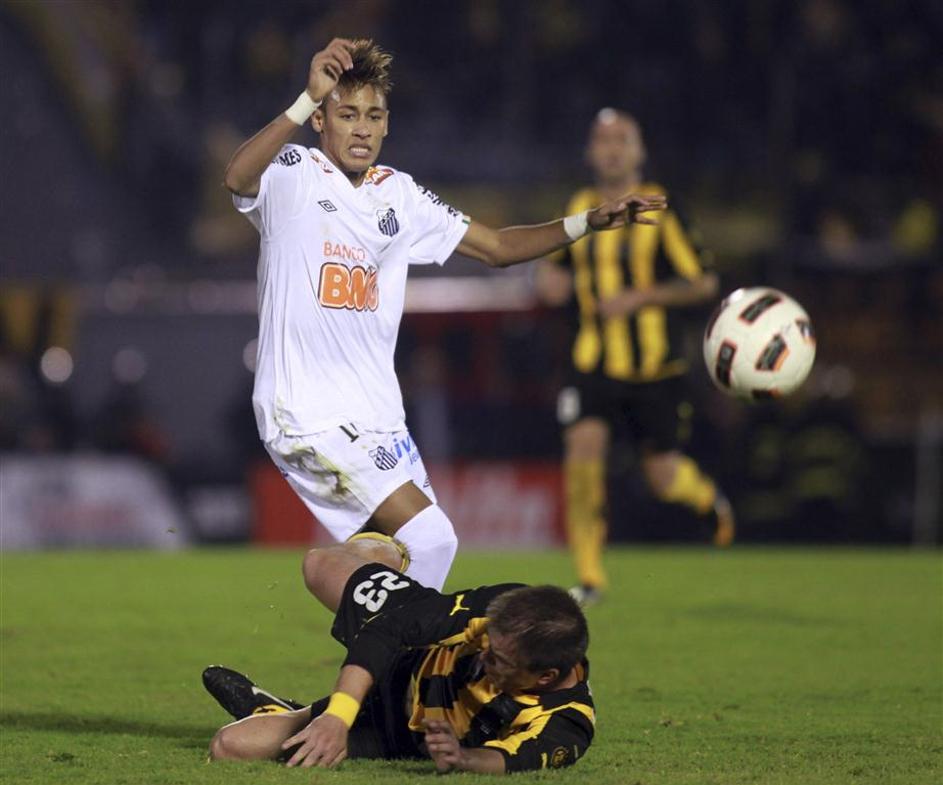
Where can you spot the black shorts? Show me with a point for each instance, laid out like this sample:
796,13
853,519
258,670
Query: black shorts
381,729
655,415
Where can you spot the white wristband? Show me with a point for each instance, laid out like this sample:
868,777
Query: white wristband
302,108
577,225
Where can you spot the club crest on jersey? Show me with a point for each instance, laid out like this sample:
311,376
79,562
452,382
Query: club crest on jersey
383,458
387,221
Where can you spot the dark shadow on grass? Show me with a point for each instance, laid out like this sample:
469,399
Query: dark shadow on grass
190,735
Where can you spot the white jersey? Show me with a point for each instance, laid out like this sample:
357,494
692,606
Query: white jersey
331,285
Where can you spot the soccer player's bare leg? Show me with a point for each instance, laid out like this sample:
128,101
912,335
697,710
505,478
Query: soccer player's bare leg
586,444
673,477
258,737
327,570
418,526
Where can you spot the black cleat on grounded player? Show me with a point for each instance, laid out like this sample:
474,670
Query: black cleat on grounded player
239,696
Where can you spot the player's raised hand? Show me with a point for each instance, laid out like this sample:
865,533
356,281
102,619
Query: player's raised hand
327,67
442,744
323,743
630,209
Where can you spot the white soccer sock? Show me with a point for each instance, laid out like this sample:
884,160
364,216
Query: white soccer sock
431,542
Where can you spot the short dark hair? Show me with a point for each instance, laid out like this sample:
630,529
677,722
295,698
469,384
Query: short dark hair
371,67
546,624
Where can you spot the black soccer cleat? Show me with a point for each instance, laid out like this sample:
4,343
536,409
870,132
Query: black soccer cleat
239,696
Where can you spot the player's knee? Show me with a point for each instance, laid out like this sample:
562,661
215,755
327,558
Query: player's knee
659,471
431,543
586,440
373,549
443,544
224,745
438,531
312,568
450,541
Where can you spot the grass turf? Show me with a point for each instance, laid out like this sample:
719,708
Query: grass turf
749,666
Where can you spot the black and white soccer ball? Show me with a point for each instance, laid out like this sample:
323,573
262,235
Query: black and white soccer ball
759,344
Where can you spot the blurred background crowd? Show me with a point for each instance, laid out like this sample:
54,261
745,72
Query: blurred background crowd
804,138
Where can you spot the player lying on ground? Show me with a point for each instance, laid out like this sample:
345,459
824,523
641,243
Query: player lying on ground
338,234
490,680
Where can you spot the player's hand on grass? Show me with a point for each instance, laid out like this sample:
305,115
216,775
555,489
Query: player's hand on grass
630,209
442,744
327,67
323,743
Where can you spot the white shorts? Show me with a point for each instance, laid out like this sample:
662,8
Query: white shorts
344,473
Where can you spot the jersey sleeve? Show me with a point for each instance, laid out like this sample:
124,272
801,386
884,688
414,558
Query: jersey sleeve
437,228
409,615
282,193
551,741
682,251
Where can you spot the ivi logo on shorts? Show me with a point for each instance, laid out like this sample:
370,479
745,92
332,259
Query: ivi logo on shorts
406,447
383,458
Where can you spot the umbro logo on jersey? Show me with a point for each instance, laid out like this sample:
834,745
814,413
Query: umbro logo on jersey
383,458
387,221
328,206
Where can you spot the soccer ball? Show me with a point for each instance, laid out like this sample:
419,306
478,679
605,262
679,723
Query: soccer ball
759,344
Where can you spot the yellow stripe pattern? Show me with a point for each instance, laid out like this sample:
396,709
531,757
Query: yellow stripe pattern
442,661
599,271
534,721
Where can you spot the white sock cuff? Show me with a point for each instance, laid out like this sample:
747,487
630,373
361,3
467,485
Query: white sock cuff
431,542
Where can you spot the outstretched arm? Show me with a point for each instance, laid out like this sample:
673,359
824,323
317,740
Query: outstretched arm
691,286
244,172
515,244
671,294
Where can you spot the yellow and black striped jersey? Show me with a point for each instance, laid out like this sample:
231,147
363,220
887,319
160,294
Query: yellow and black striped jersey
643,346
532,731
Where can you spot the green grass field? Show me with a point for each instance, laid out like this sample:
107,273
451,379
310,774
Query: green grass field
749,666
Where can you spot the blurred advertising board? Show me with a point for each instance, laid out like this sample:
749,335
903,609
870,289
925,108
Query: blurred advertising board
492,505
86,501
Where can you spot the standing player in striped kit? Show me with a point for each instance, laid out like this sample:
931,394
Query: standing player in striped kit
627,370
338,234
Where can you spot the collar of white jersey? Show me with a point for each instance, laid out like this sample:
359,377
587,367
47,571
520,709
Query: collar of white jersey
322,161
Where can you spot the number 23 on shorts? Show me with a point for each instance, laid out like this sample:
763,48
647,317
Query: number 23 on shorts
367,593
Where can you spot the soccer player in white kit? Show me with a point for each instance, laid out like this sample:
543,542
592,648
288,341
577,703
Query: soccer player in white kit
338,233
